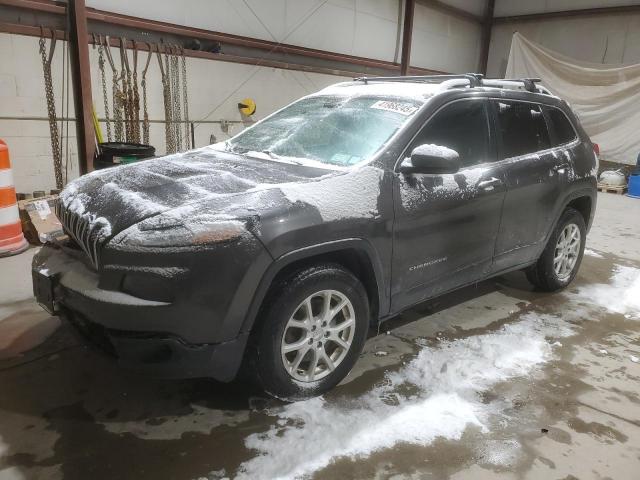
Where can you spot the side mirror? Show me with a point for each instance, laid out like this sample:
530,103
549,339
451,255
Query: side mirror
431,159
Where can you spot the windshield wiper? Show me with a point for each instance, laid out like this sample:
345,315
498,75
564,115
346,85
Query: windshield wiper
275,156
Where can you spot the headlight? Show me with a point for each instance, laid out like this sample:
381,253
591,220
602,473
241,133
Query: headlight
167,231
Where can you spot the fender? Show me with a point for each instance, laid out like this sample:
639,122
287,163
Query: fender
581,192
311,251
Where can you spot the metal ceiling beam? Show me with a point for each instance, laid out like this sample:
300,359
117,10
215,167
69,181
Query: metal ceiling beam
451,10
239,49
81,79
36,5
568,13
407,33
485,40
225,38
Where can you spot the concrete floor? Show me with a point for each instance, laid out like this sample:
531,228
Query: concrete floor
495,381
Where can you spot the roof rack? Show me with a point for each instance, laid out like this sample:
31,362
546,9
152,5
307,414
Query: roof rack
529,84
474,79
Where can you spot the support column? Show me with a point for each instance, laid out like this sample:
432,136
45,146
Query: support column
407,32
81,81
487,26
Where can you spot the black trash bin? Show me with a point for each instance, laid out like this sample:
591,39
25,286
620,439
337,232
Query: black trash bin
113,154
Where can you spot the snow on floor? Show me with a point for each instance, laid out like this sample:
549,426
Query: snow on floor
592,253
435,395
620,295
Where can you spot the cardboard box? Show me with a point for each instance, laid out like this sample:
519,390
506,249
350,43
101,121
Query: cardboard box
39,221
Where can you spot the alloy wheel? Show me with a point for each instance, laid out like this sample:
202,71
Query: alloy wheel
318,335
567,251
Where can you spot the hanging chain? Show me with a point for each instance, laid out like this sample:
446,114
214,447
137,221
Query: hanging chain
172,127
51,106
171,124
103,78
166,96
136,96
126,90
116,95
145,112
175,93
185,101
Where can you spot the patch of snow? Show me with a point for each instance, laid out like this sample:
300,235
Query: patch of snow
603,351
592,253
76,201
634,359
215,475
621,295
436,395
382,89
350,195
436,151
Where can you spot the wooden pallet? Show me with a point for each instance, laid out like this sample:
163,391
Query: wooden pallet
620,190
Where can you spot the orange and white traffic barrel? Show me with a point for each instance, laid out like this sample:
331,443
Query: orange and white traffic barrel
12,240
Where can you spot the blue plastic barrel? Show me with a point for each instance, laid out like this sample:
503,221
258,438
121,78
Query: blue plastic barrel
634,186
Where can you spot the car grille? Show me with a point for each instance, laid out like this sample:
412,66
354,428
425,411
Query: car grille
80,230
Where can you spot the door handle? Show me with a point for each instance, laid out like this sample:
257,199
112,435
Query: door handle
562,168
489,184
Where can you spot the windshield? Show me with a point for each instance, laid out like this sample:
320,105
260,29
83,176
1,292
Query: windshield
339,131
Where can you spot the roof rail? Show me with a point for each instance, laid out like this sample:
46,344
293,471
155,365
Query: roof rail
475,79
529,84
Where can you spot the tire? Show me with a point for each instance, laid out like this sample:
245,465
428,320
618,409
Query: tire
287,302
544,274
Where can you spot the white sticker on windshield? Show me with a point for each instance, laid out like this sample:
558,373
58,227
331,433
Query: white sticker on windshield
397,107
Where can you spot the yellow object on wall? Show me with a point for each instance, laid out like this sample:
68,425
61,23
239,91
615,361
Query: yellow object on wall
247,107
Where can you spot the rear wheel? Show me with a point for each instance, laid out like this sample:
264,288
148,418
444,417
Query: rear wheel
559,263
313,329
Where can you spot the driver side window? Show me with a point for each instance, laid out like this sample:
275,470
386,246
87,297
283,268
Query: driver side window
462,126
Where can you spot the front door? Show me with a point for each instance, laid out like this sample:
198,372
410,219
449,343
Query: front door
446,225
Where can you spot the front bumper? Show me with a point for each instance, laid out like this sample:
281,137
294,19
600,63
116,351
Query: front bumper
142,335
161,356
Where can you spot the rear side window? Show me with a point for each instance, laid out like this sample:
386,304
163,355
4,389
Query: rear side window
522,127
561,129
462,126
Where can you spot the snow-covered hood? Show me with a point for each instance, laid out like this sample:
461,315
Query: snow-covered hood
114,199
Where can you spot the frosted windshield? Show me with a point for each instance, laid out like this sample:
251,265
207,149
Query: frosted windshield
339,131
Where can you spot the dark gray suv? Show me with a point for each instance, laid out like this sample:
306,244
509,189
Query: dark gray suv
278,249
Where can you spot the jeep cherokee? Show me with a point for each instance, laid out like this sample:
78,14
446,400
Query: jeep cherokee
278,249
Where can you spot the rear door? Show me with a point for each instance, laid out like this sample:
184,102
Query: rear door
534,174
446,225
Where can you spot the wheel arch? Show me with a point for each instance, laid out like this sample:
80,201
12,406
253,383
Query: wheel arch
584,205
583,200
356,255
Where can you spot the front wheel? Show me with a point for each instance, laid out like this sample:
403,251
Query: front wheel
559,263
313,329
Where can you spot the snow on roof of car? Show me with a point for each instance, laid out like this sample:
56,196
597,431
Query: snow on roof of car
416,90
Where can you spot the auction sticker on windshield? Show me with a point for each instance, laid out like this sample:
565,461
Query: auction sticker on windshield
402,108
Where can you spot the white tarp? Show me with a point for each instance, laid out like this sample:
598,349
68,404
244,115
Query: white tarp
605,97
